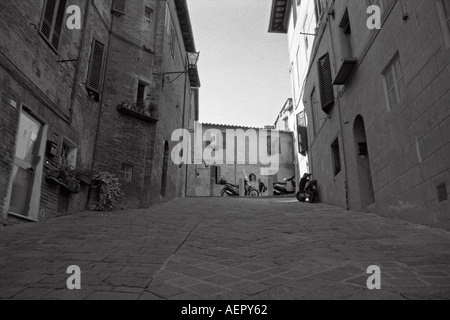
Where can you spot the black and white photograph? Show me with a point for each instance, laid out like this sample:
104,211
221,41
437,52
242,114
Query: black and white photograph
228,156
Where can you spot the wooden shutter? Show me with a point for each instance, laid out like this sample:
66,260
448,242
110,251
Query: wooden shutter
302,133
140,95
47,19
326,83
119,6
96,67
59,22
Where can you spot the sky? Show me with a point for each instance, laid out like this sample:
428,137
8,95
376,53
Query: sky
244,70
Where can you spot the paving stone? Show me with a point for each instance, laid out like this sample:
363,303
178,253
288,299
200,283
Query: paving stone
252,267
183,282
276,293
258,276
165,290
376,295
32,294
437,281
405,282
206,290
149,296
308,252
66,294
248,287
133,282
234,272
221,280
9,292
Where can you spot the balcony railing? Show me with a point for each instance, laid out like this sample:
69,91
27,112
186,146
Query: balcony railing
144,111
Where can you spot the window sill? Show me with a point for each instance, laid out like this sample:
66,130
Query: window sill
345,71
133,110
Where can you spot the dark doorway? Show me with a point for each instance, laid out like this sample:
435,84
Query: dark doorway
165,169
363,163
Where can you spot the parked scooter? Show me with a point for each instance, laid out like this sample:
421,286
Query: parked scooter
307,189
232,190
281,188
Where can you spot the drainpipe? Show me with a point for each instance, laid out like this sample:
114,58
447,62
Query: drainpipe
184,124
77,69
341,126
100,109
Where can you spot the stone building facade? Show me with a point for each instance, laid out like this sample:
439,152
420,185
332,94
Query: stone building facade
92,98
297,19
384,145
204,175
136,146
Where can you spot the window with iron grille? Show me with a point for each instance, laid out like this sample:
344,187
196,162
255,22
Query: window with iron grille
94,78
326,83
52,22
119,6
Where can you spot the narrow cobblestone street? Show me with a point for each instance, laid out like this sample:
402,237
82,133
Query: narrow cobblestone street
220,248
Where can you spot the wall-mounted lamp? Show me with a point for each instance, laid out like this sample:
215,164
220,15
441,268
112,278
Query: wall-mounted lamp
192,60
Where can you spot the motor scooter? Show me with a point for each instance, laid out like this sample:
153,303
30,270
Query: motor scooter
232,190
281,189
307,189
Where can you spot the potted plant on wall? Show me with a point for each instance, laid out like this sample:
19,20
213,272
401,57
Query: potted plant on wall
64,175
109,191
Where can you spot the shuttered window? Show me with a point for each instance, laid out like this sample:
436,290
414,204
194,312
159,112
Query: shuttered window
119,6
140,99
52,21
326,83
302,133
96,67
336,157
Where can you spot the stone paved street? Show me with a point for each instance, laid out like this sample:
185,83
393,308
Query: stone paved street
225,249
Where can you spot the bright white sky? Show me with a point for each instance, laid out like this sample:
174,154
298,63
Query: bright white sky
244,70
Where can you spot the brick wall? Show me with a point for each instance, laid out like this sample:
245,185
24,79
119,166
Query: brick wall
53,91
124,139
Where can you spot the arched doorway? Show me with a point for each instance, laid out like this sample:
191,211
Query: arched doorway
165,168
363,163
